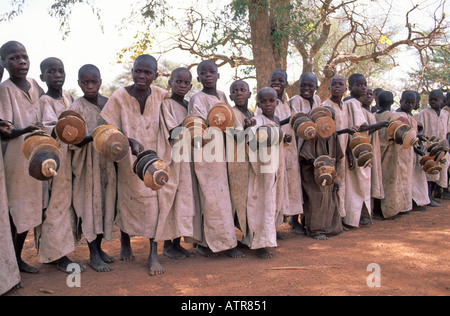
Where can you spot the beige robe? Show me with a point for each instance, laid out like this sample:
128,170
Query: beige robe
238,171
94,180
176,198
263,199
377,190
341,120
397,167
137,205
58,226
9,270
291,164
24,192
439,126
211,172
357,180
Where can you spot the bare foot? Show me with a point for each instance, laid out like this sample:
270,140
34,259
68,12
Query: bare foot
96,263
25,267
263,253
155,267
170,251
234,253
205,251
320,237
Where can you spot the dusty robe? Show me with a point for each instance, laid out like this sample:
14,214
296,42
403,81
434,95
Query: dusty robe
292,182
137,205
211,172
341,120
238,170
397,166
94,180
321,202
263,199
357,180
58,227
176,198
377,191
439,126
24,192
9,270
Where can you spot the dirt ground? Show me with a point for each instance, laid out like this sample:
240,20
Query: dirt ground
411,253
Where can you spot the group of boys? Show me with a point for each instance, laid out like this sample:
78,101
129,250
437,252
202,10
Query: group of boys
204,201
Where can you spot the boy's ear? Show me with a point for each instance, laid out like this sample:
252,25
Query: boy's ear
41,76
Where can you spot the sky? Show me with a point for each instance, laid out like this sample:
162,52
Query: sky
40,34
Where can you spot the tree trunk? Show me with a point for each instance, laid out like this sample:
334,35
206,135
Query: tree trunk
262,44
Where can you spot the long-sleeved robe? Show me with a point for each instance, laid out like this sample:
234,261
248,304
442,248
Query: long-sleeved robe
9,270
439,126
94,180
137,205
397,166
211,172
357,180
176,198
321,202
24,192
58,226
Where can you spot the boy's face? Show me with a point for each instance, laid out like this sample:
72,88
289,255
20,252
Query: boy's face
278,82
408,103
208,75
268,102
54,75
435,101
338,86
359,88
239,93
17,62
368,99
308,87
90,84
181,83
144,73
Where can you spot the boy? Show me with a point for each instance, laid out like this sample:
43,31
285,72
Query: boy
218,225
238,160
262,207
322,217
357,180
436,123
397,162
18,95
57,233
9,270
338,87
176,198
135,111
2,69
377,191
94,184
289,165
408,103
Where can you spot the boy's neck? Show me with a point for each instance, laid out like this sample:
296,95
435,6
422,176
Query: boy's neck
366,107
21,83
355,97
210,91
55,93
93,100
179,99
401,110
310,100
244,109
336,99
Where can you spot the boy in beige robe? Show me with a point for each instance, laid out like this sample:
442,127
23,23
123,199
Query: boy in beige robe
238,162
94,178
9,269
135,110
377,191
262,204
338,87
397,162
357,179
57,230
18,95
211,172
176,198
436,123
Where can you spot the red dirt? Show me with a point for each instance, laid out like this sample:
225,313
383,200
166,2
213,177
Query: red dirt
411,250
